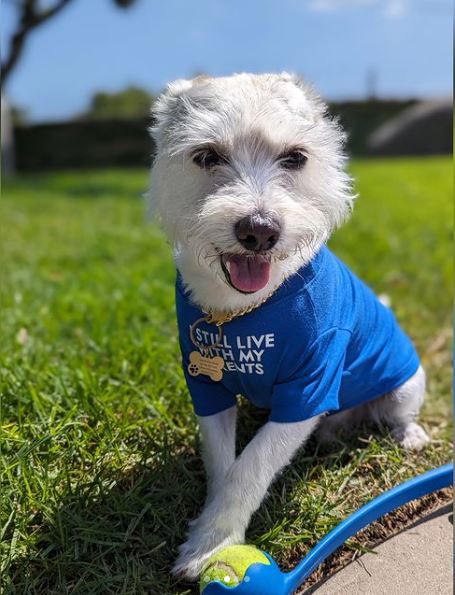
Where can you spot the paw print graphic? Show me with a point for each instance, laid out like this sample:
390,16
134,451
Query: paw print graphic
193,369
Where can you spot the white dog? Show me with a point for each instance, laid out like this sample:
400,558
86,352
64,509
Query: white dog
249,181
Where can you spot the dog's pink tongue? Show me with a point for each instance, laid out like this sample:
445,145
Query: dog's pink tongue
249,273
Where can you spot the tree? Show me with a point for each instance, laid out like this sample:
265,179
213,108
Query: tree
18,115
129,103
30,16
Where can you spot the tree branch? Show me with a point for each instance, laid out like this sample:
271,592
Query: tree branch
29,19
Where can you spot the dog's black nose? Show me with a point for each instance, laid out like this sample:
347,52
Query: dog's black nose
257,233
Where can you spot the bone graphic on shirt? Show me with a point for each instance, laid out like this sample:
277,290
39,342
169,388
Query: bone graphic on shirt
208,366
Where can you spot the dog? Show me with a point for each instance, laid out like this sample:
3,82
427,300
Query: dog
249,181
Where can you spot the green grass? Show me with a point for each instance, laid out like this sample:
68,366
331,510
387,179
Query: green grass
100,456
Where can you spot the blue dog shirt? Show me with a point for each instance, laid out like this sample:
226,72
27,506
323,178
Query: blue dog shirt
320,344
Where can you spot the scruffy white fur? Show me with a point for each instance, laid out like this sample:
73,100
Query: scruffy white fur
253,119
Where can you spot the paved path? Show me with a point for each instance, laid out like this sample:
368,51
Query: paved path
417,561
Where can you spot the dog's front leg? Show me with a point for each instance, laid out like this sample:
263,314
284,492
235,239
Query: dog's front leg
226,515
218,446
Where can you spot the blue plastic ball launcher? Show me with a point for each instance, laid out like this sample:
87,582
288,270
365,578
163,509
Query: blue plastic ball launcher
262,579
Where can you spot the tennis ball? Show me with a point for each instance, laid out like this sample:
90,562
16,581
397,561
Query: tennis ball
230,564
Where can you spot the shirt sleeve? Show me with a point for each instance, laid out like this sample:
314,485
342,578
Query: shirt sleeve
314,384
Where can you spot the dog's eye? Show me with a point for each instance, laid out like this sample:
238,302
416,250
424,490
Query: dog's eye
207,158
293,160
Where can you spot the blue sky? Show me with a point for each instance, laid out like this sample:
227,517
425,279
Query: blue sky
94,46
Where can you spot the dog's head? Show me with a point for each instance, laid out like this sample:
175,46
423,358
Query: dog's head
249,181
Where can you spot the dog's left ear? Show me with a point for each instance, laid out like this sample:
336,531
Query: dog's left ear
319,107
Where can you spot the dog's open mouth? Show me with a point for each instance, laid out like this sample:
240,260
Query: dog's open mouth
245,273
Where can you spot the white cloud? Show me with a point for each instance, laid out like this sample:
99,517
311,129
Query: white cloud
334,5
393,9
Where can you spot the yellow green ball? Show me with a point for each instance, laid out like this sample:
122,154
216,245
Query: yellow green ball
230,564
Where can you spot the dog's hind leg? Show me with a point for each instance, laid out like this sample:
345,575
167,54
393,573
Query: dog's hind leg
333,428
399,410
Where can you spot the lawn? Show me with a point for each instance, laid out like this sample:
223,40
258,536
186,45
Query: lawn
100,456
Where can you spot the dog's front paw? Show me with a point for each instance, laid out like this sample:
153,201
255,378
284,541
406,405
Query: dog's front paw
201,545
188,564
191,561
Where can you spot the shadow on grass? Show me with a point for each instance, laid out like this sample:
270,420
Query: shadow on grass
116,534
119,532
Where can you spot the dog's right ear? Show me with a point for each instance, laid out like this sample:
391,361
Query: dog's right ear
166,109
165,106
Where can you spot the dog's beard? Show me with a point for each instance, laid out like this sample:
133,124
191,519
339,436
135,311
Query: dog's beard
248,273
222,274
200,264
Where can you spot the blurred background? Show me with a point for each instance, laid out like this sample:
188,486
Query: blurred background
79,77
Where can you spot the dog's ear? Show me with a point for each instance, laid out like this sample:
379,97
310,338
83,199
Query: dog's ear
319,109
167,107
308,91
